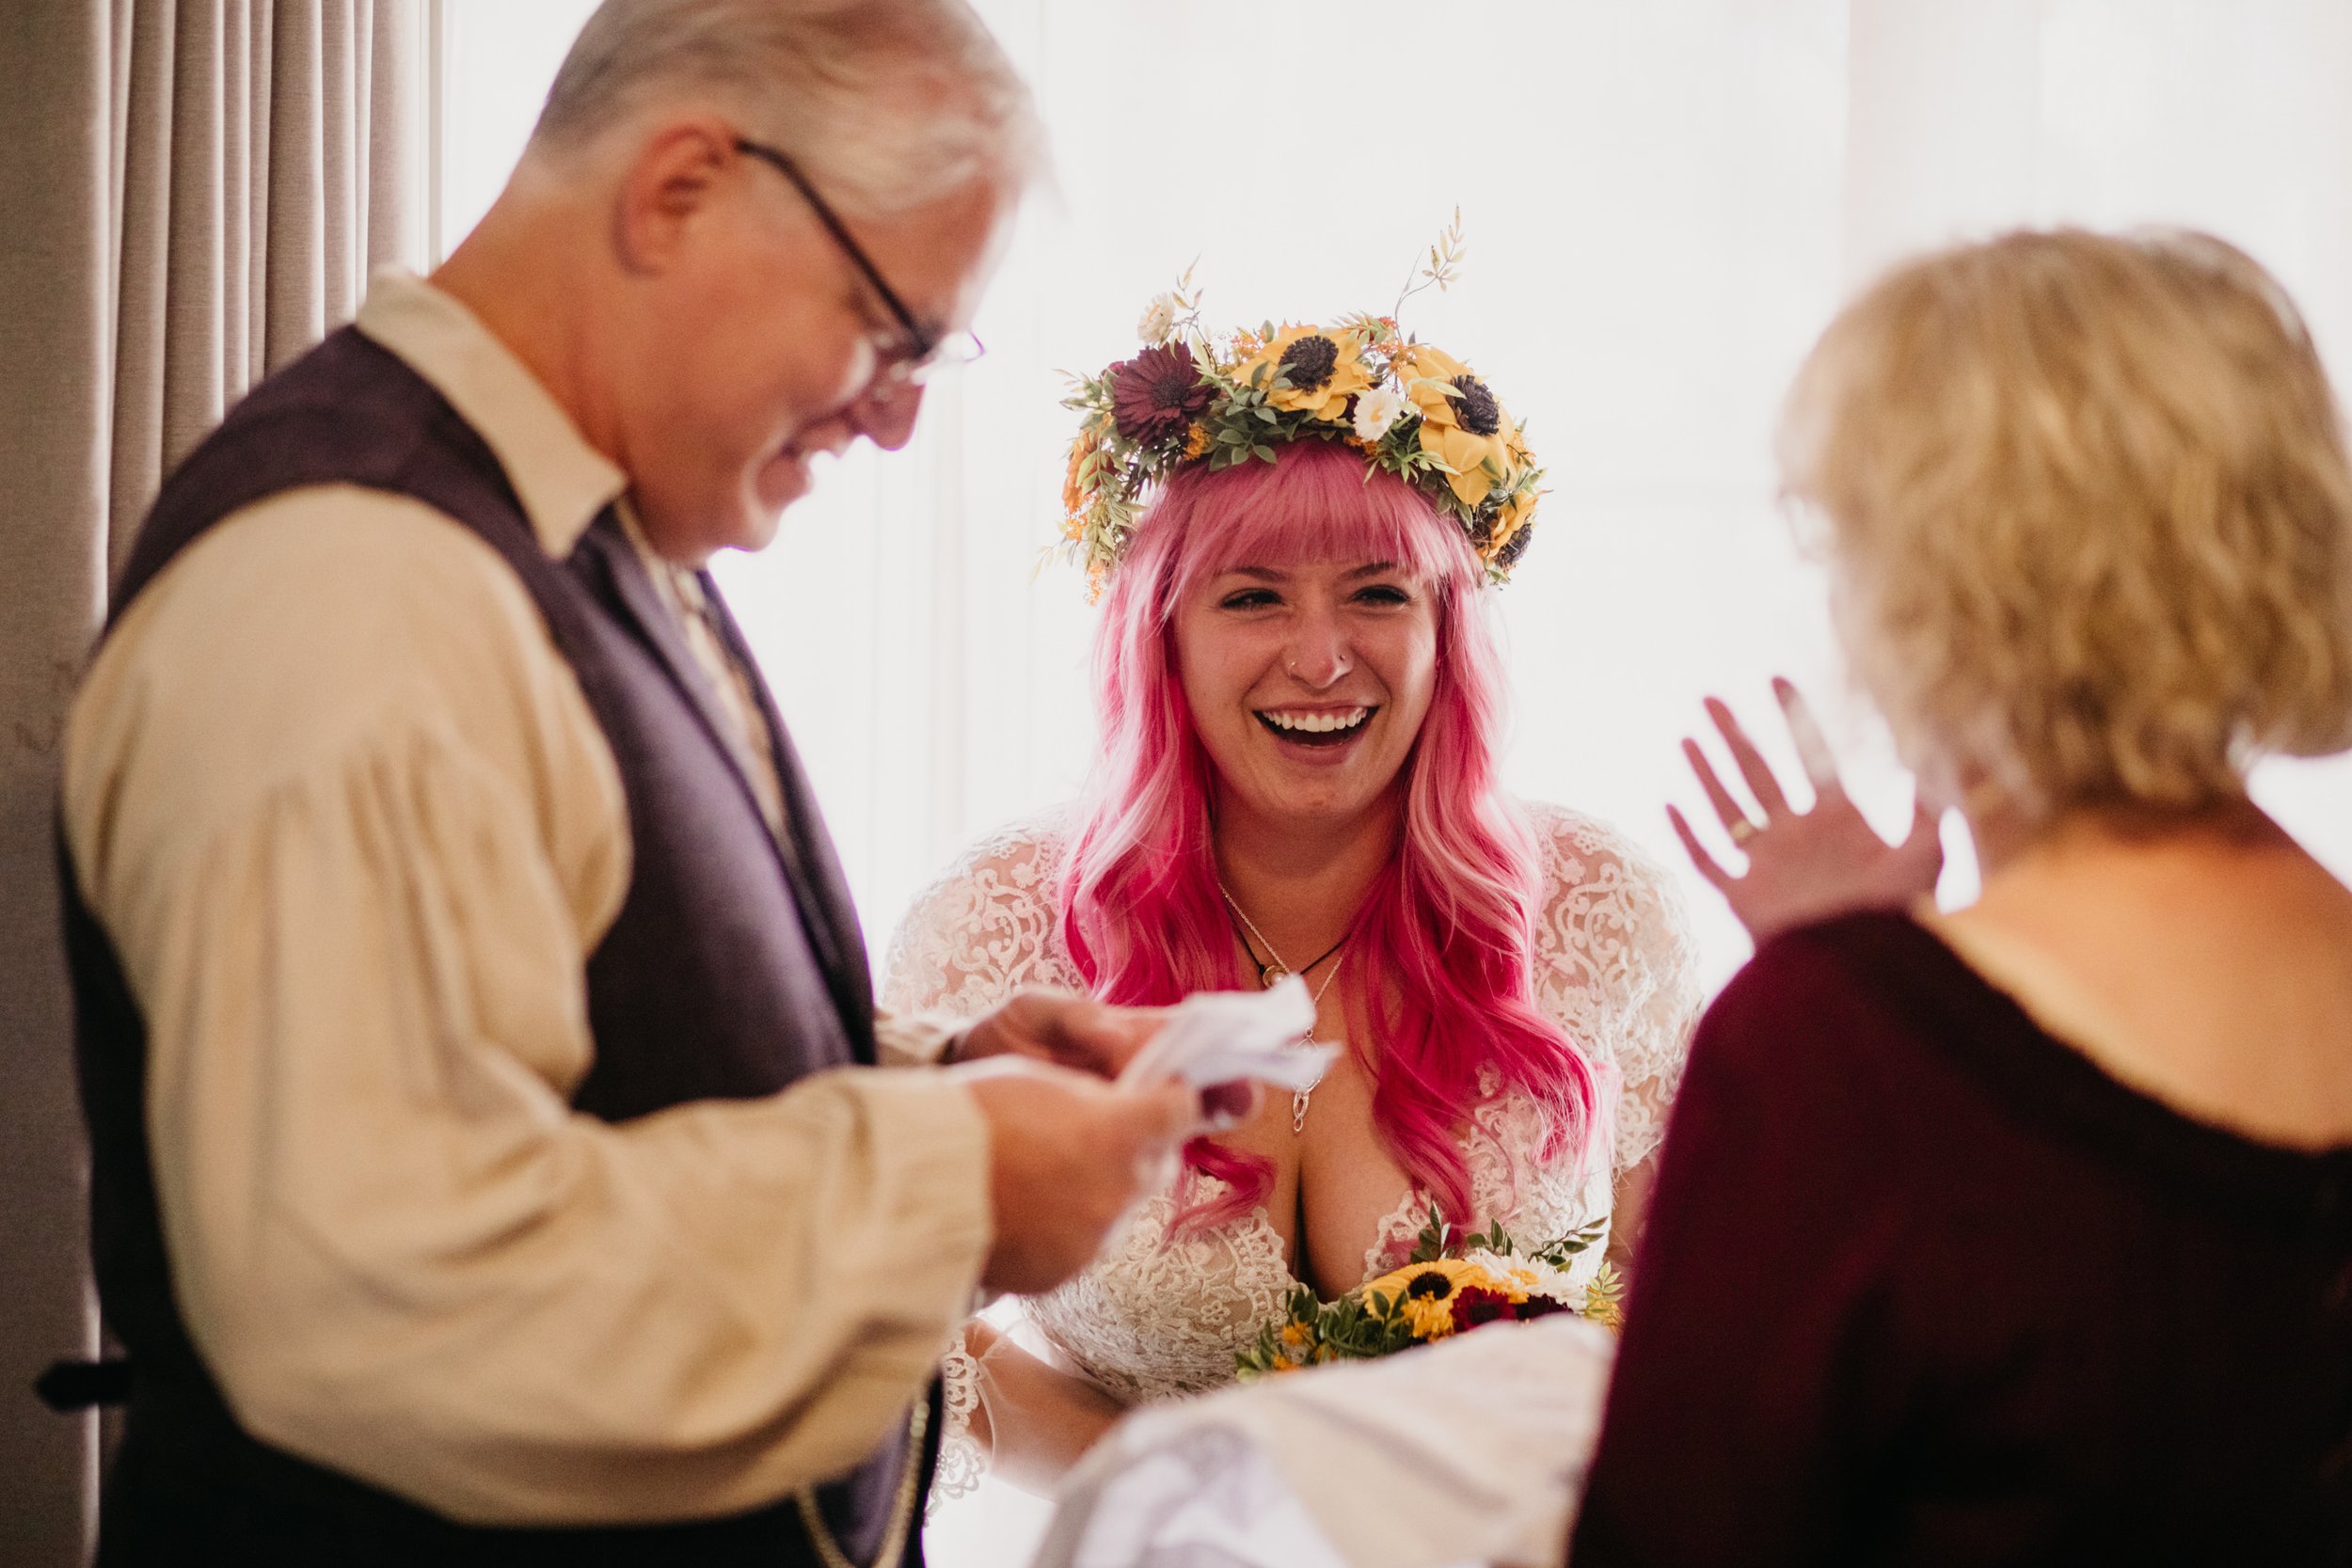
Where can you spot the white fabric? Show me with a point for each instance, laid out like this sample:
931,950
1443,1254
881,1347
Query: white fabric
1234,1036
1158,1316
1472,1450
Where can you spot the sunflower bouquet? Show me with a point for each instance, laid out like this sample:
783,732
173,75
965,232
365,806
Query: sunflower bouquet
1451,1286
1193,397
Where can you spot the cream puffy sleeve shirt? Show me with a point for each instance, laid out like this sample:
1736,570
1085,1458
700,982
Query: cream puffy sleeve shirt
346,818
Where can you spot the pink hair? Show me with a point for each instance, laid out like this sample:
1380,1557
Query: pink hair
1448,925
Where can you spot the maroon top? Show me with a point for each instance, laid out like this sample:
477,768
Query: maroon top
1923,1285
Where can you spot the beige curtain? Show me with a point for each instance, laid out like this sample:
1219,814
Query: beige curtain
257,172
194,191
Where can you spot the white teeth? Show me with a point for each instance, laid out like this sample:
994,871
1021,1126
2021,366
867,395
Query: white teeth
1318,723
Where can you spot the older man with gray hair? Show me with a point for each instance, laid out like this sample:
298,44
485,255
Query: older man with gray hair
497,1155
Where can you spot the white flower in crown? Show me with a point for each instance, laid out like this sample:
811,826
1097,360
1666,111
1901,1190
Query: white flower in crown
1159,319
1375,411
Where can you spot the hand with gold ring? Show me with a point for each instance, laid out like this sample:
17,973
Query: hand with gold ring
1803,866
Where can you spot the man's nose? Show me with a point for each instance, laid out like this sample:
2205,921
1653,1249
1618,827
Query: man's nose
884,415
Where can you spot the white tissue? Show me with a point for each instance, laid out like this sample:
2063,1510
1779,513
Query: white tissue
1226,1036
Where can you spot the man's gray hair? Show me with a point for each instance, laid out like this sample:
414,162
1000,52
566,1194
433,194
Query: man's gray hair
886,104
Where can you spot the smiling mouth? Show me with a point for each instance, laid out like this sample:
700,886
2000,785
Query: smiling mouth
1335,728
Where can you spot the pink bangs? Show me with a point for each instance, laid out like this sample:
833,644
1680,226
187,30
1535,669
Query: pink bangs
1319,503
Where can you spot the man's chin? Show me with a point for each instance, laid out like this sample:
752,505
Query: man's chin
775,487
783,481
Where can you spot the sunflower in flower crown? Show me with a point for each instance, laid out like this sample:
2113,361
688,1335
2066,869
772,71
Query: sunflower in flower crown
1190,398
1462,423
1315,370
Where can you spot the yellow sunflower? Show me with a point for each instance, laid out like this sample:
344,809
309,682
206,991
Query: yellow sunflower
1508,521
1422,1293
1463,425
1325,366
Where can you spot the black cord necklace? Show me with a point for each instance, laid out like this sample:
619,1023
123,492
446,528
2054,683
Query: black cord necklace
1271,969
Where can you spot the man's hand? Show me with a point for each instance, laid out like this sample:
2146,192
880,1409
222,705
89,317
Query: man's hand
1804,866
1063,1028
1068,1155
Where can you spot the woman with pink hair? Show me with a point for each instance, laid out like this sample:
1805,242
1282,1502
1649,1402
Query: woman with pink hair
1301,699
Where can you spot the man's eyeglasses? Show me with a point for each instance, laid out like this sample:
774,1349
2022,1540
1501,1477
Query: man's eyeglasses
920,354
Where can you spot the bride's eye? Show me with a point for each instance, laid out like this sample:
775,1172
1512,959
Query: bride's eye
1248,599
1383,593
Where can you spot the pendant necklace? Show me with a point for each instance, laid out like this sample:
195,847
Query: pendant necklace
1274,973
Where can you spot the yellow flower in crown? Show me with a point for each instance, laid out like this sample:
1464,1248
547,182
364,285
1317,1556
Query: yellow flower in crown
1508,541
1462,423
1323,367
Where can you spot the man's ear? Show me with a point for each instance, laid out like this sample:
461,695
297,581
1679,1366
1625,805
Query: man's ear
669,187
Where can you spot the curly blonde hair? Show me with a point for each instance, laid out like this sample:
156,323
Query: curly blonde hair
2090,520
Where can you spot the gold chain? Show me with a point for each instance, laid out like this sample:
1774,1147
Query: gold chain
894,1542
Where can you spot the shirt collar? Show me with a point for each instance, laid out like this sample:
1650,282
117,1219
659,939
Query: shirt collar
561,481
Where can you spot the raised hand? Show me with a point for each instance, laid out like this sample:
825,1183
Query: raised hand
1808,865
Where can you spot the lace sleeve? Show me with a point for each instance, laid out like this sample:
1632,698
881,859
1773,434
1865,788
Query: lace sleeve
1616,964
984,928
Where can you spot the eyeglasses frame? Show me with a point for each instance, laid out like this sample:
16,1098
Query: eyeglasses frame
920,355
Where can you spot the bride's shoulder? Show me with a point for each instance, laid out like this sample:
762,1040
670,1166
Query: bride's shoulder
1610,912
985,926
1020,857
1584,854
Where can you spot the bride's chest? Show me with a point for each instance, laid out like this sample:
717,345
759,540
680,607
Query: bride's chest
1166,1308
1334,1188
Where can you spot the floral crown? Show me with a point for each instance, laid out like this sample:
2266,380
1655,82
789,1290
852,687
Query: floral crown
1193,398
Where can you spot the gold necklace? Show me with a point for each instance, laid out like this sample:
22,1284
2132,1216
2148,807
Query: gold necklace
1270,976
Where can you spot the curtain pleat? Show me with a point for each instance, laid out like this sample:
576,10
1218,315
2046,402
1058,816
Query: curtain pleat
256,184
236,230
395,84
140,289
296,289
193,352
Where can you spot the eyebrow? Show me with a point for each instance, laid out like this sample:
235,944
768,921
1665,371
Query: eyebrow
1270,573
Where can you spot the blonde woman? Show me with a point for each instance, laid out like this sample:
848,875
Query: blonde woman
2024,1234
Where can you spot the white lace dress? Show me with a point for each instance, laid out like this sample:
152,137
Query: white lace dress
1153,1319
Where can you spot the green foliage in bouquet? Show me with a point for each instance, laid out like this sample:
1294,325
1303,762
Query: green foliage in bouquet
1451,1285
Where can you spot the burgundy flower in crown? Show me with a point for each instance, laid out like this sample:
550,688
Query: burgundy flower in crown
1156,395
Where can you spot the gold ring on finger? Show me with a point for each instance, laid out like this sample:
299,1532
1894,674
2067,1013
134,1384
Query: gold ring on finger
1743,830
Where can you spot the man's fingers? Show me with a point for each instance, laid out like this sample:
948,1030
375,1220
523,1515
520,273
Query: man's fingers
1753,767
1104,1038
1813,749
1716,875
1727,810
1167,1113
